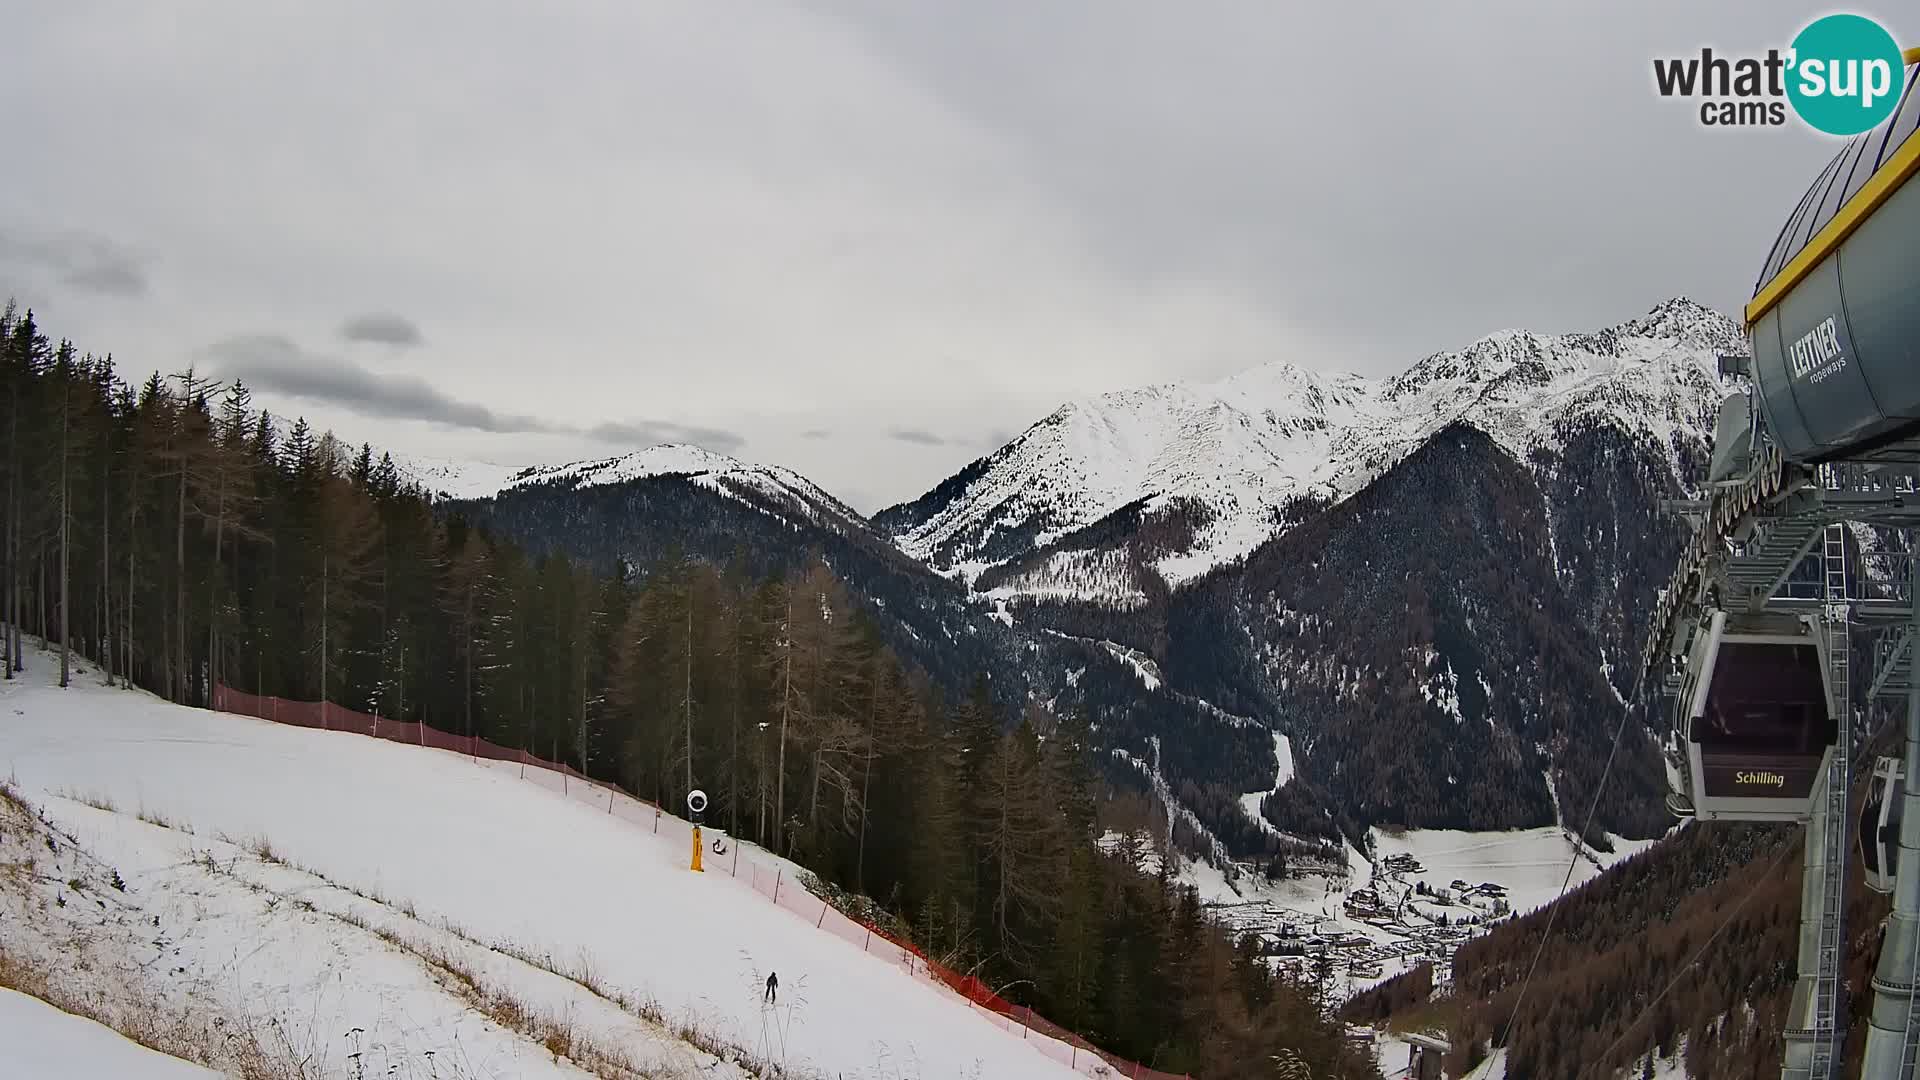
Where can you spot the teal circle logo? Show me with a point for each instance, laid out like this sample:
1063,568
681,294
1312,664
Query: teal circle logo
1845,75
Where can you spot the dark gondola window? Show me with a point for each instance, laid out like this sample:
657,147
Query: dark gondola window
1766,699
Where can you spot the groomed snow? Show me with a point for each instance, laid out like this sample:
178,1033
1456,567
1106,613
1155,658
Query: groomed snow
507,861
38,1040
1283,766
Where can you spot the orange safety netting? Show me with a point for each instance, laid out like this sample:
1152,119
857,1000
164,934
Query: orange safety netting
1048,1038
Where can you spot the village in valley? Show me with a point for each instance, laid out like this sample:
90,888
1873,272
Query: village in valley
1369,922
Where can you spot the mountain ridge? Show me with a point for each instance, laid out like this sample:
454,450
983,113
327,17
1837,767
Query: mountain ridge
1160,526
1245,446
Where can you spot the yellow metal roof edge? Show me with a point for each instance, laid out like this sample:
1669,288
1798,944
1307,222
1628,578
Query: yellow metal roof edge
1878,189
1911,56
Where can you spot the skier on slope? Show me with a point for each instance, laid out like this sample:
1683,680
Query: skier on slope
773,988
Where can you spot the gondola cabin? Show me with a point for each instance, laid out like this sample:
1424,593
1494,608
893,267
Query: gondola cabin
1880,824
1759,727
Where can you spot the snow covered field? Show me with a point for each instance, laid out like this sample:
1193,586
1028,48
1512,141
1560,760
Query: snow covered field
40,1040
1396,928
1529,864
311,853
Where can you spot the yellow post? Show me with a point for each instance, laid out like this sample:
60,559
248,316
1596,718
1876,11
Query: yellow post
696,851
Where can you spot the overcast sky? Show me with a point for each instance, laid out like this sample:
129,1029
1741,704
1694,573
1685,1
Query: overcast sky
866,240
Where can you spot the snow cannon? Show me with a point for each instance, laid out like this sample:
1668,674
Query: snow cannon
1880,818
1754,720
1834,327
697,807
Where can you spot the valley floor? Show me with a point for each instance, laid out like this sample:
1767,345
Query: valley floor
1526,867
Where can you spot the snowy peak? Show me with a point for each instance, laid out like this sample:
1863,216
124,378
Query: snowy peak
1690,325
1229,457
772,488
667,459
1676,326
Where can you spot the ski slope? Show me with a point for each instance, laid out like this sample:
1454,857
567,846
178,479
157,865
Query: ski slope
507,862
37,1039
1283,772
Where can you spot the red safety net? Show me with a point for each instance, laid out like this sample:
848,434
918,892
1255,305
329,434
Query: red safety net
770,881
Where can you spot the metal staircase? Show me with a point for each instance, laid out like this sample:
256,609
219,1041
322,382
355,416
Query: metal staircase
1827,1021
1765,561
1893,665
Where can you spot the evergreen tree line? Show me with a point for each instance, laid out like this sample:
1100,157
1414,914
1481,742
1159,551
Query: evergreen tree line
181,539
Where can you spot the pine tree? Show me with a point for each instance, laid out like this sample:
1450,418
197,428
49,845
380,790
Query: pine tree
469,588
218,554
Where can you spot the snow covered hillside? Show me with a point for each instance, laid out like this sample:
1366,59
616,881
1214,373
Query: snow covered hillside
763,485
354,896
40,1040
1227,459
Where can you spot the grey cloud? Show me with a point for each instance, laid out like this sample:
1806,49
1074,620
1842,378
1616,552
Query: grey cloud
652,432
79,259
382,327
272,362
1240,152
276,363
916,436
816,433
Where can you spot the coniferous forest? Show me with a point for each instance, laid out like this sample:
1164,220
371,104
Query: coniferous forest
180,538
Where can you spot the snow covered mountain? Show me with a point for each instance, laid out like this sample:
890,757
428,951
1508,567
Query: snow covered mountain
1204,473
1198,567
669,501
771,488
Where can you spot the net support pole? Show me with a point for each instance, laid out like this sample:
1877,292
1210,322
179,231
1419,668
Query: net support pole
1891,1029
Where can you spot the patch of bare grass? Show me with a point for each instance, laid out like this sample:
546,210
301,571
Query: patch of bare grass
97,801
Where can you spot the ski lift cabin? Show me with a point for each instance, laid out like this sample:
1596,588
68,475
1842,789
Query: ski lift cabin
1879,830
1757,724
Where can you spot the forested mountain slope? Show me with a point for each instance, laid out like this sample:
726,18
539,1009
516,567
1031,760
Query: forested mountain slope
180,539
1166,560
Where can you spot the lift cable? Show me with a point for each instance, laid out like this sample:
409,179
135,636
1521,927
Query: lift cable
1726,921
1553,912
1579,841
1872,736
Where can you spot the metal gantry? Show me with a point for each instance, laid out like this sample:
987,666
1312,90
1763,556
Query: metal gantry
1754,556
1829,1026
